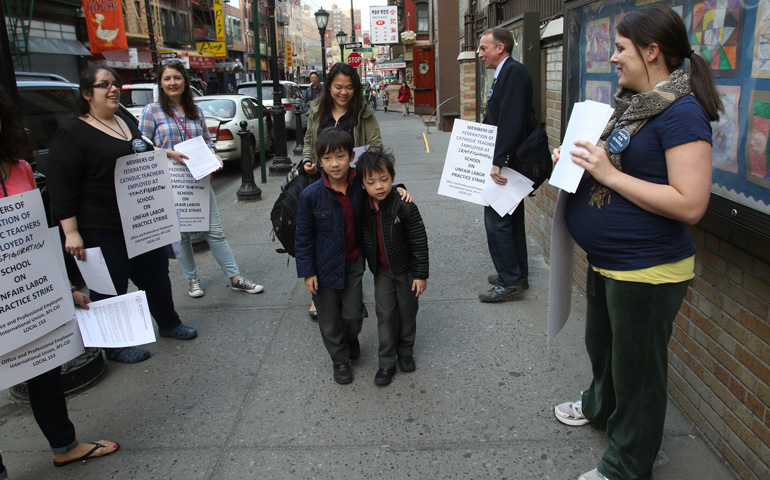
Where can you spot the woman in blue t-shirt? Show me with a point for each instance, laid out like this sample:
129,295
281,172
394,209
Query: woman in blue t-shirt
648,177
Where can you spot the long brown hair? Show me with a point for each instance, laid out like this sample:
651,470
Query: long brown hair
188,103
661,25
14,141
356,103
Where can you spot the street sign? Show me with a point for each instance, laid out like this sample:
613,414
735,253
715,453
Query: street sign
168,55
355,59
350,46
363,50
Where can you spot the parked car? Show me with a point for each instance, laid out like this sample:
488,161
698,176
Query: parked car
291,98
224,114
46,101
135,96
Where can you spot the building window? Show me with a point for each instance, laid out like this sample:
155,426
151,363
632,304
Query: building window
422,17
234,29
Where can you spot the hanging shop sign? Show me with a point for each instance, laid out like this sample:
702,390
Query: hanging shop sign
104,22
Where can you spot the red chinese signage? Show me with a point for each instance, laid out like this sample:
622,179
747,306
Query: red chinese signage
104,21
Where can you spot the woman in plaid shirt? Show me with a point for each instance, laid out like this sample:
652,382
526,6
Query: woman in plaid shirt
174,119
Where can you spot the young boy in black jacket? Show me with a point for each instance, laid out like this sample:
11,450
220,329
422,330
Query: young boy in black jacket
396,248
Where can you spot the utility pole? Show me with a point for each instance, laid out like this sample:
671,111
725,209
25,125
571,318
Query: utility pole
151,30
352,22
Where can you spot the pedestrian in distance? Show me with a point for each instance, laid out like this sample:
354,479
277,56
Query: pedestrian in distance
396,249
385,99
648,176
509,106
174,118
313,91
341,106
405,97
81,183
46,394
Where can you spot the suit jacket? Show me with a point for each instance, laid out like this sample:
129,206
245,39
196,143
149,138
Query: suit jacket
510,108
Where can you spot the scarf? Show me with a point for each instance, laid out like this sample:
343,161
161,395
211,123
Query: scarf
632,112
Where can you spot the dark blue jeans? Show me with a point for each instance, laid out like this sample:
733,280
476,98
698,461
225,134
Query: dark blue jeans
507,245
148,271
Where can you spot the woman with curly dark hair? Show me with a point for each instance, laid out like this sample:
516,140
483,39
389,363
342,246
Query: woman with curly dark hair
46,395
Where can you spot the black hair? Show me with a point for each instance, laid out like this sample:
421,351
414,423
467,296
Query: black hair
333,139
314,73
356,103
501,35
662,26
14,141
87,80
187,100
374,160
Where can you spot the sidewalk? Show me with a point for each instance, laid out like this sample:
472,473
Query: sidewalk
253,395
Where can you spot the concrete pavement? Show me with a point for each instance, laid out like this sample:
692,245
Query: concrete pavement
253,395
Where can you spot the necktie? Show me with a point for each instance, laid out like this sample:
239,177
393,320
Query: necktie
489,96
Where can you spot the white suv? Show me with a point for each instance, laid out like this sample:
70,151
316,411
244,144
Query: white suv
135,96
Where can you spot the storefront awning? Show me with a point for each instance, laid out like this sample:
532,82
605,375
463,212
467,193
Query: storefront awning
394,64
119,59
56,46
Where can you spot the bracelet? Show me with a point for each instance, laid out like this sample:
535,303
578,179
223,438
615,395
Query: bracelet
73,288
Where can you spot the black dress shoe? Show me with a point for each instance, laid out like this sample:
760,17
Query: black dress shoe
406,364
384,376
343,374
354,349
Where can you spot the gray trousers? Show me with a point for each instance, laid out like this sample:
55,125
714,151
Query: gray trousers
341,312
396,308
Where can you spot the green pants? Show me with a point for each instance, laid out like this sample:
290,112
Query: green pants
628,326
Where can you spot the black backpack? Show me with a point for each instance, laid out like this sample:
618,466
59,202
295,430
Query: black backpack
284,213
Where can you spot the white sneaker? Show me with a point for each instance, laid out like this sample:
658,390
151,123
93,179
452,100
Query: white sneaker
571,413
246,285
592,475
195,290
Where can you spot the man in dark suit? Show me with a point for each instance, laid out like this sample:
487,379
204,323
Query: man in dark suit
509,106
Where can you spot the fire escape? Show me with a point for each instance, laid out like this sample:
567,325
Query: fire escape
18,14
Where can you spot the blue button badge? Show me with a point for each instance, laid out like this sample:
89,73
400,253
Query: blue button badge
619,141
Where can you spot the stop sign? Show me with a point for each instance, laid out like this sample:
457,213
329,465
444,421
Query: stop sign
355,59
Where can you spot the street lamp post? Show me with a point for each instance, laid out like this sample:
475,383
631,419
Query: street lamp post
352,22
281,163
321,20
342,38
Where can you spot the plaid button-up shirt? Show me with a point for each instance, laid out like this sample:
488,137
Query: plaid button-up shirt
166,132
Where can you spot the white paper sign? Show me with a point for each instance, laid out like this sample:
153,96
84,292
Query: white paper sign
586,122
383,22
560,278
468,161
41,355
200,160
505,198
122,321
34,298
191,198
95,272
145,201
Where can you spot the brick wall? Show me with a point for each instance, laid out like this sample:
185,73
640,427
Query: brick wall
720,351
467,62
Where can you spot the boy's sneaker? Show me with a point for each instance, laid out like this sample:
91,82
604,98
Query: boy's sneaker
246,285
592,475
571,413
195,290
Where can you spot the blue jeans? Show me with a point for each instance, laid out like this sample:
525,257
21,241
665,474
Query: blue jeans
507,245
215,237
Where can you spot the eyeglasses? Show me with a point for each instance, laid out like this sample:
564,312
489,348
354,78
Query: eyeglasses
171,61
106,84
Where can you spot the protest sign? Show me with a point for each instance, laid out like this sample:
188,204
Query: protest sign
191,198
34,297
468,161
145,202
41,355
122,321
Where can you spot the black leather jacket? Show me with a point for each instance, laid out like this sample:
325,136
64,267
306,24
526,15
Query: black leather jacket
406,243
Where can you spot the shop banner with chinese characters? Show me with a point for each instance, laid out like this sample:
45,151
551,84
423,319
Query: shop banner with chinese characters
384,25
104,22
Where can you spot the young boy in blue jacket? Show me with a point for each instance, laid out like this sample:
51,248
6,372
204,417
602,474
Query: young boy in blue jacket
327,250
396,248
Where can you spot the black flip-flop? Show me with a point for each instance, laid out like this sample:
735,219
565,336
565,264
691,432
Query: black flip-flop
97,446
